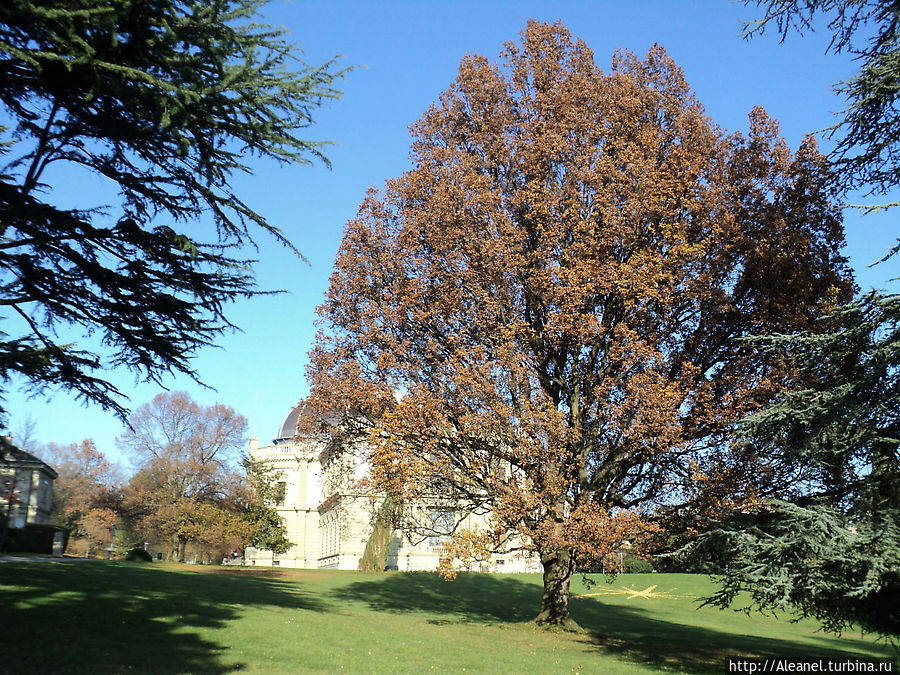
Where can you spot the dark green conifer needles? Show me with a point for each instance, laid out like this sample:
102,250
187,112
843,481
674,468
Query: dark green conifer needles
167,100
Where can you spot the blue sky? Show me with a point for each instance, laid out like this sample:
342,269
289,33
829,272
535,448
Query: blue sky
408,53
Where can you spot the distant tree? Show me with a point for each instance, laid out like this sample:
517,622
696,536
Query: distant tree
192,483
194,446
25,435
86,493
257,507
868,129
830,548
187,454
558,288
211,527
165,101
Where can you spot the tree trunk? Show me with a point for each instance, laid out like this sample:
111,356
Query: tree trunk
558,567
885,470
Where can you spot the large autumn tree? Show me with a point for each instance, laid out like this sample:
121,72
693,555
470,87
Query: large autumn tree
543,316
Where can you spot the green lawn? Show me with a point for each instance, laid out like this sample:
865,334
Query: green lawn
117,616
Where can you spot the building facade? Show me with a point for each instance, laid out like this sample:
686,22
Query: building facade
330,516
26,487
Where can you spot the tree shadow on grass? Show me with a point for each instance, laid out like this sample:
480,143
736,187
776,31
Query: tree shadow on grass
113,617
470,598
630,632
636,635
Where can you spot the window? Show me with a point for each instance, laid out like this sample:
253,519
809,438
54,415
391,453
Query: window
280,493
330,531
441,526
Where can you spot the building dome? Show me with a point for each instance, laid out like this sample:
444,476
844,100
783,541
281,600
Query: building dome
288,430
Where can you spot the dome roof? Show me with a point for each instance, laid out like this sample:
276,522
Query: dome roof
288,430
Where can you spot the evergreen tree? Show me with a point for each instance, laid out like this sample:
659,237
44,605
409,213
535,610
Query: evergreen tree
166,100
831,548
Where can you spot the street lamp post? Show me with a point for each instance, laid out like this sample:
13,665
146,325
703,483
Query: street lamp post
112,541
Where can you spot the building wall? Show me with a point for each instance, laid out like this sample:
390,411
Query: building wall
344,527
329,520
296,464
34,487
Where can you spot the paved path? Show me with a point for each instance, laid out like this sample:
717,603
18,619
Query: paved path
15,558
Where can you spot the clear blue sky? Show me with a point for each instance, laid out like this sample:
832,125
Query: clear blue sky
410,52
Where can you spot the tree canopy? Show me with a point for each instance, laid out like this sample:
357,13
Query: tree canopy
189,486
165,101
86,494
542,317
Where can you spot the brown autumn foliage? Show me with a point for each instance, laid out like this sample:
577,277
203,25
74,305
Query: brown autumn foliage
559,287
187,488
86,494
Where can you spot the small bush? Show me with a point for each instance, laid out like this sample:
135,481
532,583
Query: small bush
634,565
616,563
138,555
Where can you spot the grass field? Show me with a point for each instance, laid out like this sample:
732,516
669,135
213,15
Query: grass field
117,617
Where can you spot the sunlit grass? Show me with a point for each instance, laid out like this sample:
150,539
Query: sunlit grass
115,617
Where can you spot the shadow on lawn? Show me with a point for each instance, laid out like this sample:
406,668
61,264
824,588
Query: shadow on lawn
633,633
112,617
470,598
637,636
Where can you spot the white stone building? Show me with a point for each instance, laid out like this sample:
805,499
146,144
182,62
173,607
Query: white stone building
26,486
330,518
